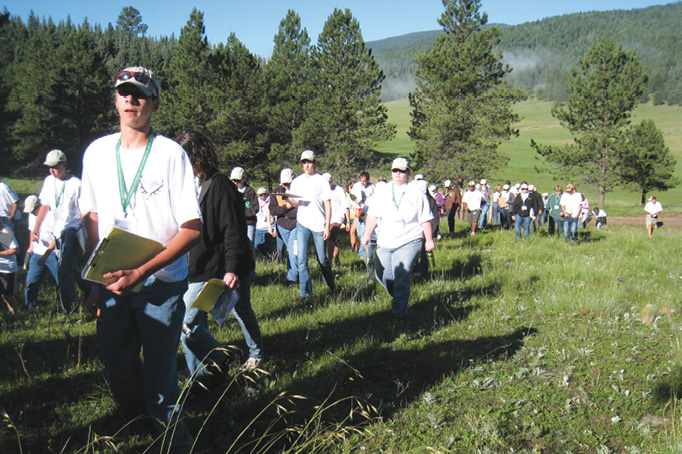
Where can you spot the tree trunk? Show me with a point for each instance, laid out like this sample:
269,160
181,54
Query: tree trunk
602,195
643,196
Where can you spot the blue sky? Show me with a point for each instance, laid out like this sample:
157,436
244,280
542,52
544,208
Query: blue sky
255,22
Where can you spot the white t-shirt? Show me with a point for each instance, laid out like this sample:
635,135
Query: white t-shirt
164,200
262,215
45,236
361,193
314,190
7,199
339,205
653,208
8,263
572,203
473,199
401,210
63,199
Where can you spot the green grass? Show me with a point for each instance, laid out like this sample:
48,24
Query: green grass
537,123
530,347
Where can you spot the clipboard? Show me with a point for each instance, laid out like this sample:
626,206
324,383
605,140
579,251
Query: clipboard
282,196
119,250
216,299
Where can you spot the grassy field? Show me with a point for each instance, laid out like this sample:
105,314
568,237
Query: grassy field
537,347
537,123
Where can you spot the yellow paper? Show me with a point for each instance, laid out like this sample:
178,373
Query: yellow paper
209,295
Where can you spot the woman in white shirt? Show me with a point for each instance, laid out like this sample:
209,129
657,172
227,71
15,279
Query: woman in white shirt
403,215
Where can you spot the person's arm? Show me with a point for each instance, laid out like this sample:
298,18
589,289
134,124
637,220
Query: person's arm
346,213
43,259
327,218
428,236
179,245
13,211
370,223
40,217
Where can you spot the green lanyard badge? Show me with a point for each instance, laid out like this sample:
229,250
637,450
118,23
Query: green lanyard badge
126,196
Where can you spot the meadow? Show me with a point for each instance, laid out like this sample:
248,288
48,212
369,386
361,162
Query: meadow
536,347
537,123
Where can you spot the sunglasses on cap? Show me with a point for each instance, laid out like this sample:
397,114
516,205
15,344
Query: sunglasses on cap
398,171
125,76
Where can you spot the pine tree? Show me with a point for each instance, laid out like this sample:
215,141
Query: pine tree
602,95
645,160
346,118
462,107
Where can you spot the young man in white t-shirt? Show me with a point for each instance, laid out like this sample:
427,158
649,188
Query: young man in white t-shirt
314,220
571,206
59,195
40,261
142,182
8,267
340,215
9,214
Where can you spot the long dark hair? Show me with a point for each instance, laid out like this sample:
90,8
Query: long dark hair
202,154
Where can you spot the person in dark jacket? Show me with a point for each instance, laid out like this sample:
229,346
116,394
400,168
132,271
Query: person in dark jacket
522,212
223,252
286,223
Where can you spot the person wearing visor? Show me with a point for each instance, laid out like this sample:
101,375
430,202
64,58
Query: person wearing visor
403,214
142,182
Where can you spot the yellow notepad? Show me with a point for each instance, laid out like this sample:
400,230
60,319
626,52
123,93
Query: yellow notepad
209,295
119,250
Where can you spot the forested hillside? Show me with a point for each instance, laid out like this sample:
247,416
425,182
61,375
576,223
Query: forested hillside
543,52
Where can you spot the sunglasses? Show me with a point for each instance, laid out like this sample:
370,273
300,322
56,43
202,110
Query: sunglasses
398,171
131,91
305,161
125,76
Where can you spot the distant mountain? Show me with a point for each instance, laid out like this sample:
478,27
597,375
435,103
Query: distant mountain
543,52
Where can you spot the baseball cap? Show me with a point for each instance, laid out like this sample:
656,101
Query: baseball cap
308,155
400,164
524,186
447,183
505,187
237,174
483,181
432,188
142,78
54,157
261,191
286,176
419,176
472,183
531,187
30,203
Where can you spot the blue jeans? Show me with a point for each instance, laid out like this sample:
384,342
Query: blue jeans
262,242
303,237
360,228
505,218
394,268
370,262
496,213
35,276
556,225
571,229
522,221
292,261
484,216
149,321
67,250
198,343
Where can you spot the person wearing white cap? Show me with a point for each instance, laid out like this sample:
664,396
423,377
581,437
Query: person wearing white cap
60,195
485,205
403,214
286,224
143,182
265,225
314,220
471,204
453,199
556,216
9,248
652,209
238,177
37,266
340,215
9,214
504,204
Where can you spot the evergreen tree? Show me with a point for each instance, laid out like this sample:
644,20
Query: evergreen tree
346,118
130,21
189,82
462,107
602,95
645,160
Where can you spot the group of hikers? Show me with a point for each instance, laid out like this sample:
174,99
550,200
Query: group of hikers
211,227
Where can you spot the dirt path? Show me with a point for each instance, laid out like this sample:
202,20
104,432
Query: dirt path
671,221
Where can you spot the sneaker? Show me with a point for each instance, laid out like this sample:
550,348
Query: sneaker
439,236
473,233
251,364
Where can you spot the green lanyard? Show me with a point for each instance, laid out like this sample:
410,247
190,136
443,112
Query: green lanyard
58,197
397,203
126,196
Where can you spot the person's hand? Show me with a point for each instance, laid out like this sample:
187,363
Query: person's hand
231,280
348,226
513,218
325,235
126,280
42,260
272,233
93,302
34,236
429,245
364,240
